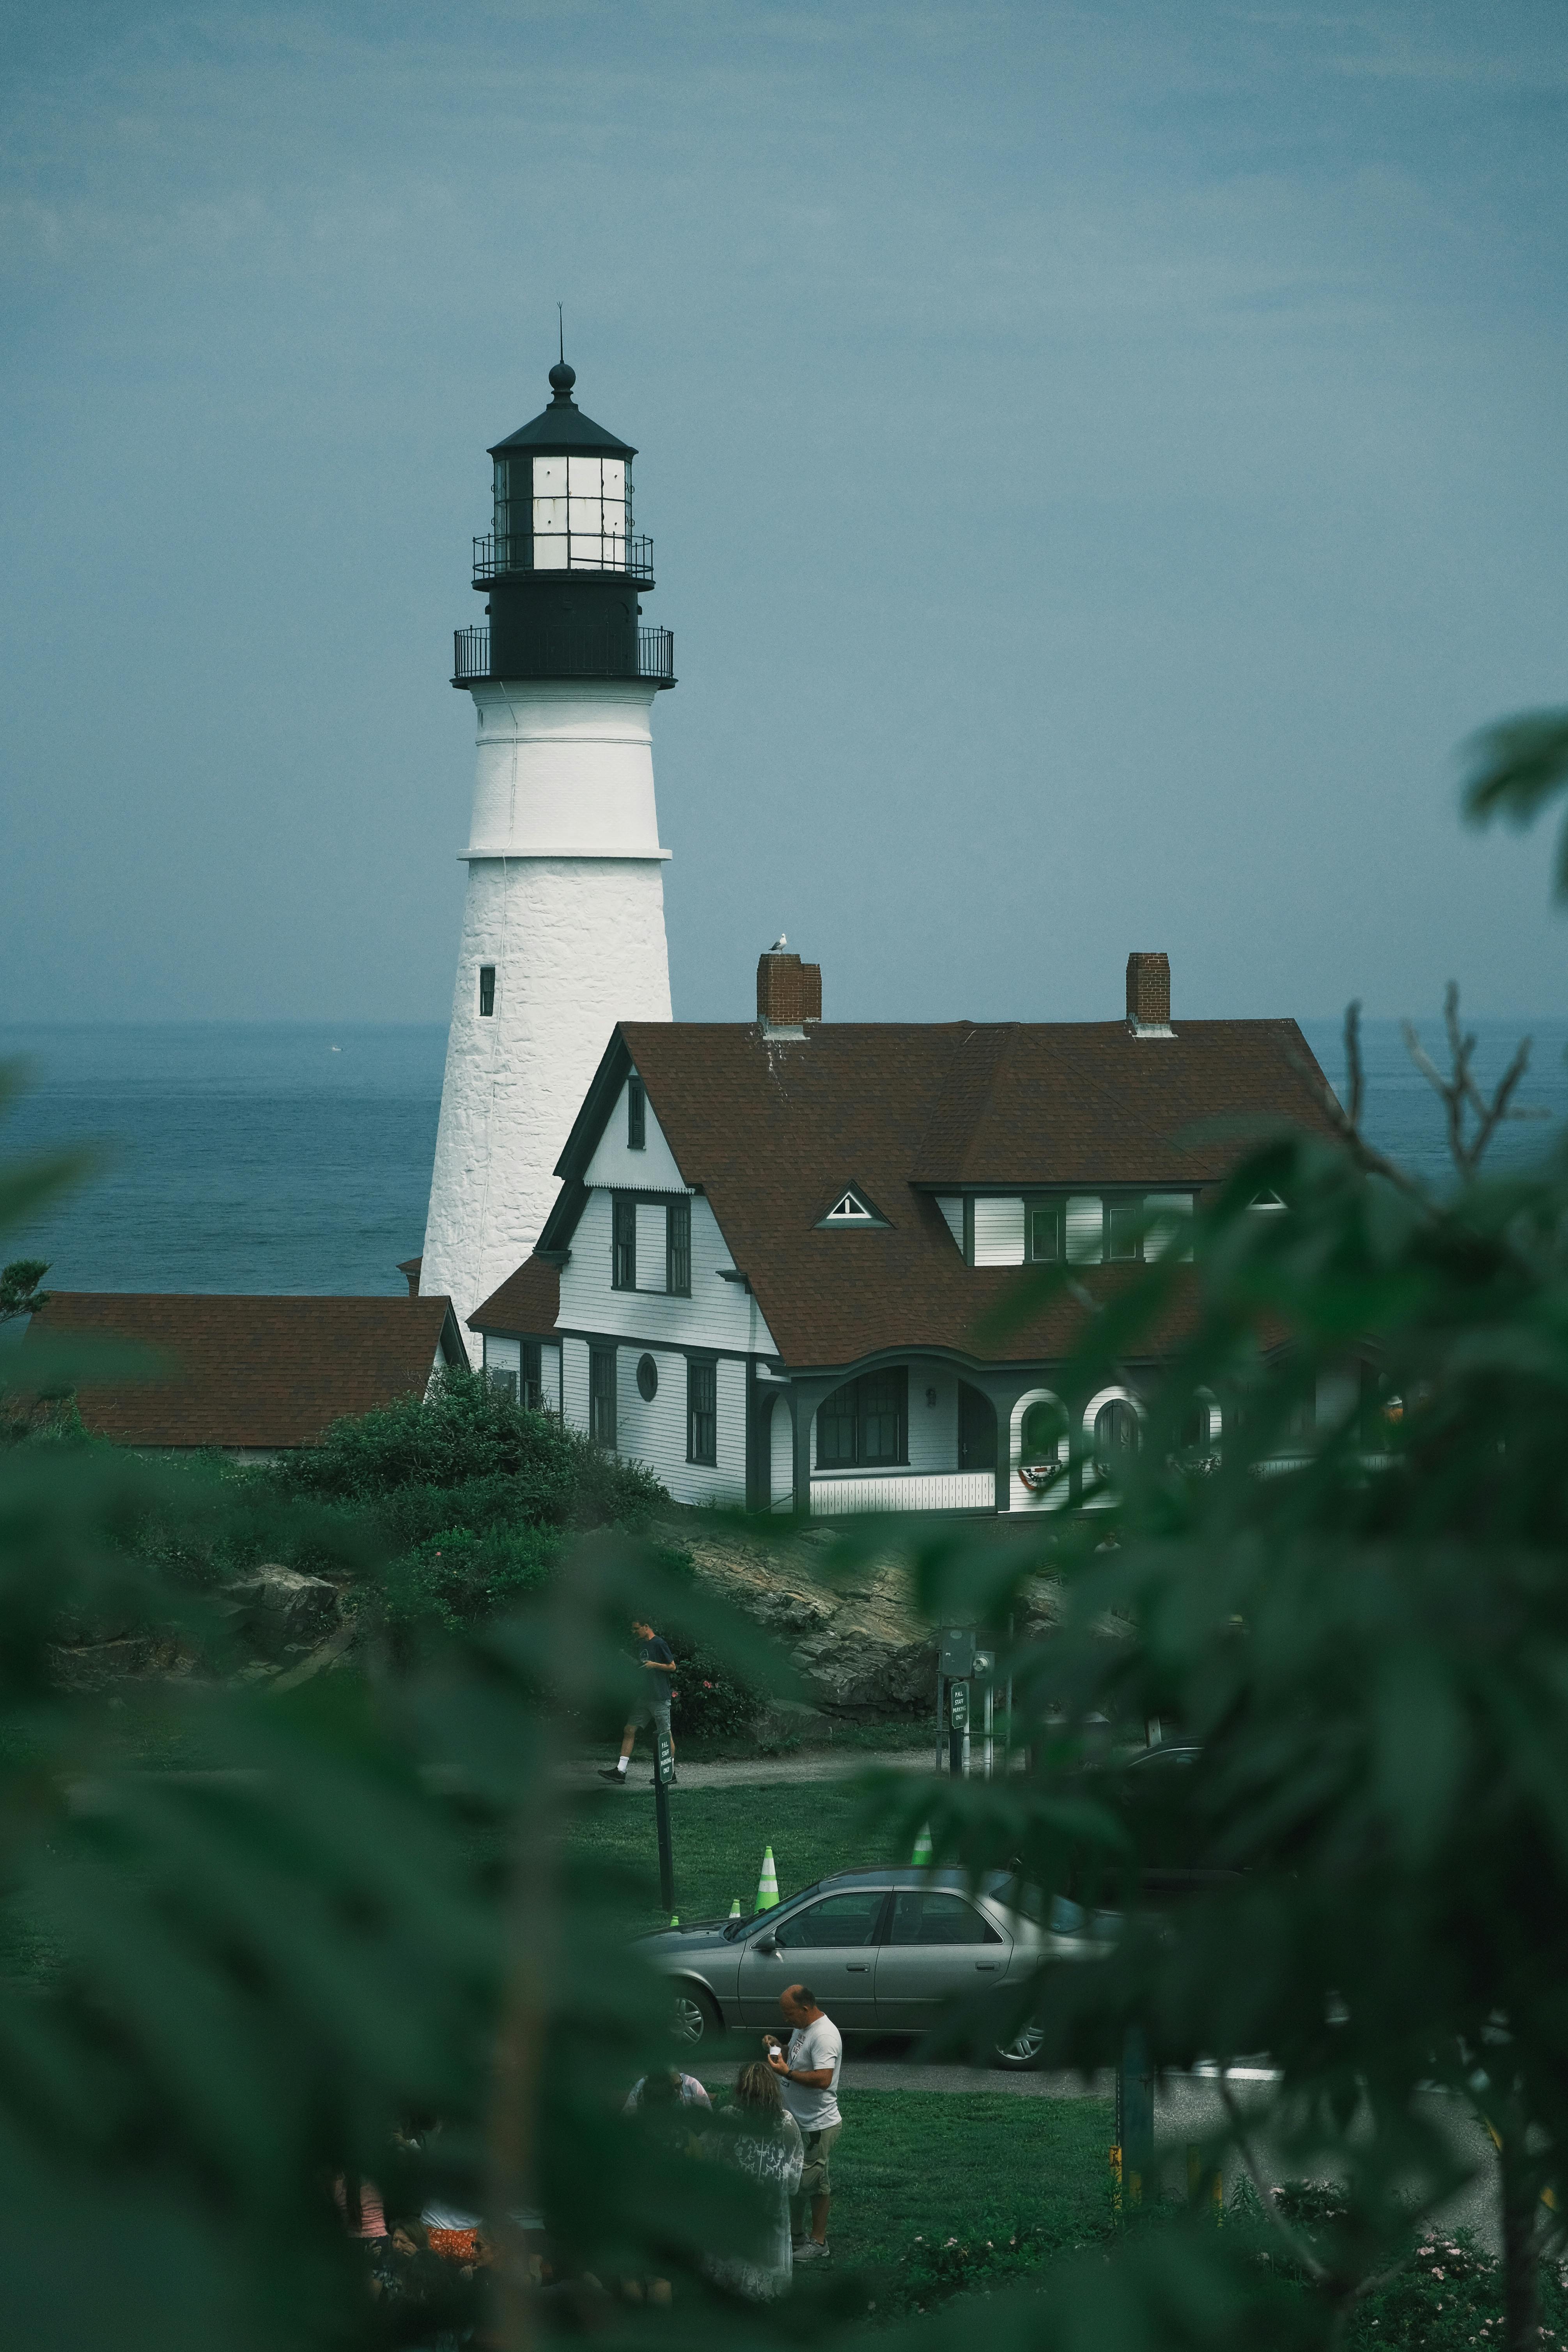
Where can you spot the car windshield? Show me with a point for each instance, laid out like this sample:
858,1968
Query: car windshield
734,1928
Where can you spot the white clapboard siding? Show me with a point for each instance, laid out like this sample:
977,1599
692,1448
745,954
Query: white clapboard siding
1086,1229
653,1431
652,1169
550,1377
933,1429
719,1314
502,1355
845,1495
998,1232
652,1253
574,1383
1174,1229
952,1207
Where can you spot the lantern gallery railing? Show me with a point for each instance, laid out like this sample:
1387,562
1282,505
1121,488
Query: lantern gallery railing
496,556
577,649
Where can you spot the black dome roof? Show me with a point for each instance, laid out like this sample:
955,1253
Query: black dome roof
562,425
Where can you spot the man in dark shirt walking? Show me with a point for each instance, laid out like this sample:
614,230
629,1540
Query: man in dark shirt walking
659,1681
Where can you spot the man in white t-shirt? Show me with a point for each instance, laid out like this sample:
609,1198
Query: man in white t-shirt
809,2074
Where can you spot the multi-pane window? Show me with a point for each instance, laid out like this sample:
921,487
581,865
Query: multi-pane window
865,1424
602,1395
532,1376
678,1249
1116,1434
1042,1231
623,1242
1124,1236
701,1409
487,989
637,1116
562,514
580,514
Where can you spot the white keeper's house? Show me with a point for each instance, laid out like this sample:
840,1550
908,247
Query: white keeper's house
776,1244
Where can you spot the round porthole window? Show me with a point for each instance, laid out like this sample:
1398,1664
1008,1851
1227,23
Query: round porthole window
648,1379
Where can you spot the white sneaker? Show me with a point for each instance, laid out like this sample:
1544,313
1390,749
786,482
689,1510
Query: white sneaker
808,2250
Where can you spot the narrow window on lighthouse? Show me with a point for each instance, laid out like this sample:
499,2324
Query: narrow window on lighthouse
487,989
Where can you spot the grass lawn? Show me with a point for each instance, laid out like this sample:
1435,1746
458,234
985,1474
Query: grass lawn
968,2164
717,1836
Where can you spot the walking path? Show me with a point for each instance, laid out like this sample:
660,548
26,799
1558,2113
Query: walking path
580,1771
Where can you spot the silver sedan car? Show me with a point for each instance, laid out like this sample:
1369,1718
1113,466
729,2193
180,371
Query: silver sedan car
885,1951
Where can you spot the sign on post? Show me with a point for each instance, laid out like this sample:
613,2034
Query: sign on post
958,1706
664,1773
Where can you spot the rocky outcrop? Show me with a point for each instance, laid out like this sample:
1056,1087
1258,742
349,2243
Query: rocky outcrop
279,1611
862,1649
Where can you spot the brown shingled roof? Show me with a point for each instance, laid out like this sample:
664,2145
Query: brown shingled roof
527,1303
770,1130
263,1373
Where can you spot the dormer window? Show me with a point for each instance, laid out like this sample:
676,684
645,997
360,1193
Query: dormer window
852,1209
637,1116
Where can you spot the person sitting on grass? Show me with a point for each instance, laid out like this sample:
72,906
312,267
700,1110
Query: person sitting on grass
758,2138
667,2087
809,2074
653,1707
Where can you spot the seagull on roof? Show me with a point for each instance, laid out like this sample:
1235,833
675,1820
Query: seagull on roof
780,942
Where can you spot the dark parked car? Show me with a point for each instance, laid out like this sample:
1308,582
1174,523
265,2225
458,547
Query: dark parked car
884,1950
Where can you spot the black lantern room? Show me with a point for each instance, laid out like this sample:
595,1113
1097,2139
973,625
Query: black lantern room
562,568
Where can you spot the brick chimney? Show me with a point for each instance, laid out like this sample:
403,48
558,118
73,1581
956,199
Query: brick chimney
789,993
1149,995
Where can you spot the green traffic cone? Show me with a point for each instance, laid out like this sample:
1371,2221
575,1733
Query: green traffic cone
736,1906
768,1883
923,1852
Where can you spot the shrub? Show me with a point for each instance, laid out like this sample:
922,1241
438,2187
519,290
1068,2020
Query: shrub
710,1701
465,1430
462,1575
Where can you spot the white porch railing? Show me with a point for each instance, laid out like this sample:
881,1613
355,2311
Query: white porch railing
839,1493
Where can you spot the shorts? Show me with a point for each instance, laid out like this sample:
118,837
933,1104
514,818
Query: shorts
815,2181
653,1708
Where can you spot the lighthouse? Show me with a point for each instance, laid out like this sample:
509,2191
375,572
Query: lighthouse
564,921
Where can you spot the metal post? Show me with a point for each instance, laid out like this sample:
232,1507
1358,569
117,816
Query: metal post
1135,2117
987,1723
1007,1743
663,1775
941,1711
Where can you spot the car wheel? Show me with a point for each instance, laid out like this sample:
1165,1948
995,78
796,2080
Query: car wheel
1022,2052
694,2017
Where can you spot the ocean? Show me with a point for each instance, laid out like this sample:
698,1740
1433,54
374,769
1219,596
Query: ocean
293,1157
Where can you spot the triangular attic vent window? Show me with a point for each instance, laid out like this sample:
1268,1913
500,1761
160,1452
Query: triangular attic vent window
851,1209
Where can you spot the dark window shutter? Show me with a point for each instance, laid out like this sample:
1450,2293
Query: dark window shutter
637,1116
678,1249
532,1376
602,1395
701,1410
624,1250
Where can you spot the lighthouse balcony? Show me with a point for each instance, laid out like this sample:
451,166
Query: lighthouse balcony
501,555
579,648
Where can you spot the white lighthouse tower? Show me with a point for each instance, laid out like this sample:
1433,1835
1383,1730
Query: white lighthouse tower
564,927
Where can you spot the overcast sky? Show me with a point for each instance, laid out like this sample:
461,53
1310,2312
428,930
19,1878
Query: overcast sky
1102,460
